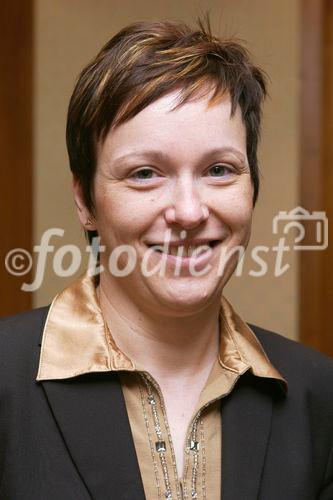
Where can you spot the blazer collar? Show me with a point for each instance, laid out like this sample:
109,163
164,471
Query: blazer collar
246,424
91,416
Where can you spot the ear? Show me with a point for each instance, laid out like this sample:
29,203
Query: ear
86,219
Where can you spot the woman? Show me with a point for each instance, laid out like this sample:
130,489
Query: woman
147,383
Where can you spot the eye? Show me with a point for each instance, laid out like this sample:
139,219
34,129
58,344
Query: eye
220,170
143,174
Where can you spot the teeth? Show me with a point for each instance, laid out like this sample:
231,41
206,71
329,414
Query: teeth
191,250
188,251
194,249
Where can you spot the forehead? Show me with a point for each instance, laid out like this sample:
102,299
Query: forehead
190,129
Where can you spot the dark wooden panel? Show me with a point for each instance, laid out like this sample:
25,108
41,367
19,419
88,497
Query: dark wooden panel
16,60
327,344
316,188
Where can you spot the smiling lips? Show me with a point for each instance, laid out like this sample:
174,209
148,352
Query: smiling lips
185,248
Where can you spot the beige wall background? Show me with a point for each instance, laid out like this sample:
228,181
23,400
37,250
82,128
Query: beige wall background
69,33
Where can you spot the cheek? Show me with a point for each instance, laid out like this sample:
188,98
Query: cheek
243,220
235,207
120,216
240,225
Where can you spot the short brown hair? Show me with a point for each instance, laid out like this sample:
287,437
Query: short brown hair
145,61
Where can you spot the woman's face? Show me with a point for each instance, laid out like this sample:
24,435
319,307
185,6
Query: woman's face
178,176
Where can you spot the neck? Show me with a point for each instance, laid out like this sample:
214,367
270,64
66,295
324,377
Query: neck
167,347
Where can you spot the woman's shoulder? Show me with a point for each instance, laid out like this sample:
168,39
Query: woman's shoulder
20,335
301,365
22,322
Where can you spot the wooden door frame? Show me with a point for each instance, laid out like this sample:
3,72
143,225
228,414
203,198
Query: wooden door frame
316,168
16,139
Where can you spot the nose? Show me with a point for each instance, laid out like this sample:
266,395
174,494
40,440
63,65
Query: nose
186,207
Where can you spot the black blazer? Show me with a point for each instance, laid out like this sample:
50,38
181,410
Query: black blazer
71,439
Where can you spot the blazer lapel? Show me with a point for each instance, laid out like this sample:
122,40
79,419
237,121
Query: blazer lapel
246,422
91,414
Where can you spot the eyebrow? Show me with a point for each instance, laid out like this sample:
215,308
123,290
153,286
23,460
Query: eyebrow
160,156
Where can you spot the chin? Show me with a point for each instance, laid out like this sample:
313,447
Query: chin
186,301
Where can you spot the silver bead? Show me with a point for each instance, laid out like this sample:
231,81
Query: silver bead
194,445
160,446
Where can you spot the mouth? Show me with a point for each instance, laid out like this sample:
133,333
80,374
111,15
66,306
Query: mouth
184,250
